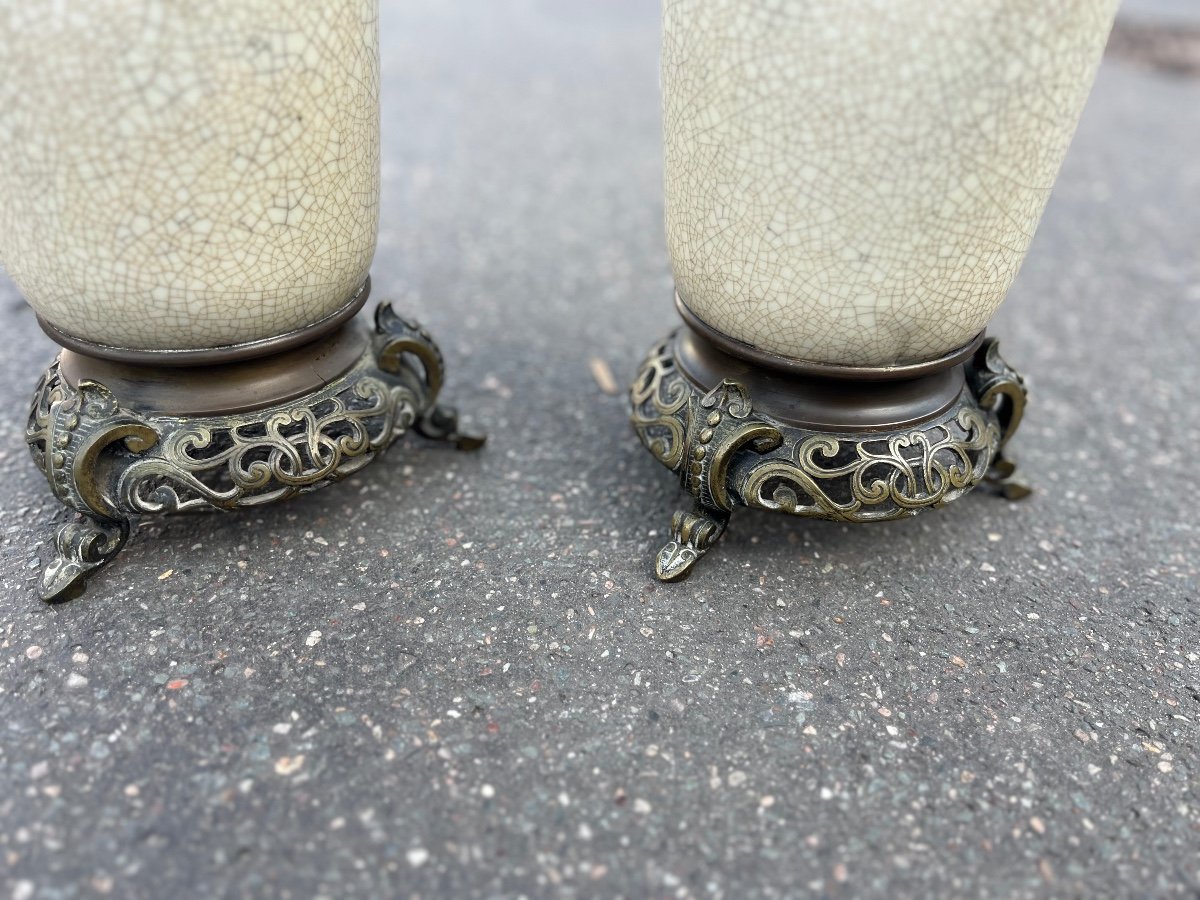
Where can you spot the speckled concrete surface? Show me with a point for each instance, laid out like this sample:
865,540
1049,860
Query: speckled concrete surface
455,676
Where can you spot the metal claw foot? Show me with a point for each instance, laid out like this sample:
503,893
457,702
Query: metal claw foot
80,549
441,424
117,450
1002,478
692,534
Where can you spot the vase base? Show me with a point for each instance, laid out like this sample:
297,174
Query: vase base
213,355
738,433
118,441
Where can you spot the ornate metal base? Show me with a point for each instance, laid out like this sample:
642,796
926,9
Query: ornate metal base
849,449
119,441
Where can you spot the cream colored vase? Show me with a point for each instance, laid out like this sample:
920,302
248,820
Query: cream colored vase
856,182
187,176
189,199
851,187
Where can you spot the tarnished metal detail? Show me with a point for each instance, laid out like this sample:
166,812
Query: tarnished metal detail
728,454
1001,389
441,424
661,412
81,548
213,355
692,533
113,464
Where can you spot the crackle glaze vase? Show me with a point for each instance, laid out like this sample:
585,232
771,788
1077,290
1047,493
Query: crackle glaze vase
851,187
856,182
185,176
189,200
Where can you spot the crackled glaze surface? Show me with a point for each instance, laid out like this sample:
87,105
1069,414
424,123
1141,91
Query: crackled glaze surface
188,175
857,182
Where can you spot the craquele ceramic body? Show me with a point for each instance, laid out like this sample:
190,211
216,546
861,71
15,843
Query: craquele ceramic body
179,176
856,182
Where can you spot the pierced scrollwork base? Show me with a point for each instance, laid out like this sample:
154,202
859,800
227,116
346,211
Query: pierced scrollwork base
114,463
727,453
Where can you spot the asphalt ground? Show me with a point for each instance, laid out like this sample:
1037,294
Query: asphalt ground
455,675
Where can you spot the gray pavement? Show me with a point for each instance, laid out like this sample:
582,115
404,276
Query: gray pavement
455,676
1165,13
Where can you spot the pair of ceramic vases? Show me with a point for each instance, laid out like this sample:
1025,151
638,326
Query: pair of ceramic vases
189,201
